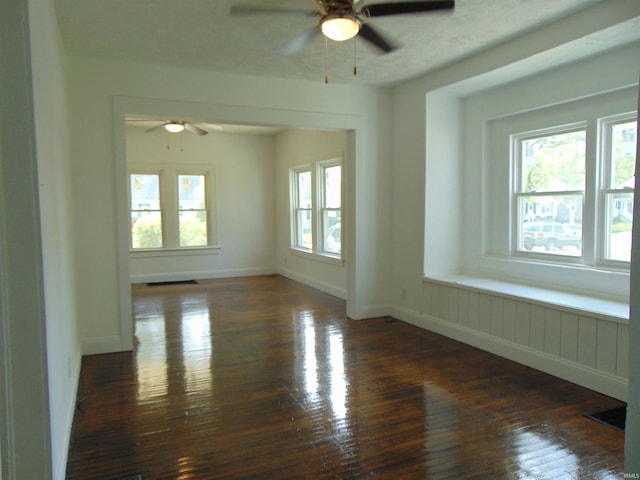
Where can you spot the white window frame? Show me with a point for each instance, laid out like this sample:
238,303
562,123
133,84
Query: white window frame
297,242
495,255
169,175
160,175
605,128
207,204
598,171
316,169
518,191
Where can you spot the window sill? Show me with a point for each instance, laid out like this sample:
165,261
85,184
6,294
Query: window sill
175,252
317,257
609,310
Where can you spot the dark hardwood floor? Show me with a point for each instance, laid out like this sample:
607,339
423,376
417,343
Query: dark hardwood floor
264,378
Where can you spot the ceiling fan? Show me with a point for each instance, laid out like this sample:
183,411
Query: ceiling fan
342,19
176,126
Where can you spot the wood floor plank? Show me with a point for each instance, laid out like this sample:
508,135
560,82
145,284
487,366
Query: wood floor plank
263,377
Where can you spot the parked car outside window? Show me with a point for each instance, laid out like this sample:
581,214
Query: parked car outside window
551,235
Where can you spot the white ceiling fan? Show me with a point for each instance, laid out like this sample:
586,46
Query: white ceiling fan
174,126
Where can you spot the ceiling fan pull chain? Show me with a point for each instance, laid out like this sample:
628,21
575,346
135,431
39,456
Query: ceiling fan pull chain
355,56
326,60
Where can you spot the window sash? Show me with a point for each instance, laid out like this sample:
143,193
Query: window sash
192,219
146,226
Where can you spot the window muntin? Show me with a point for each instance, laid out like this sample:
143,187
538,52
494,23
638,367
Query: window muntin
192,211
619,157
549,192
145,210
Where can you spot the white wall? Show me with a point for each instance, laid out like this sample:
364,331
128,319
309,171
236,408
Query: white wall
52,148
37,339
303,147
243,172
104,91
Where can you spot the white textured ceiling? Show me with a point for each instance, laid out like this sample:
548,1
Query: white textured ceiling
201,34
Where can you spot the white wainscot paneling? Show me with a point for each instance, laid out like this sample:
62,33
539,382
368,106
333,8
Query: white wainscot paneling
585,348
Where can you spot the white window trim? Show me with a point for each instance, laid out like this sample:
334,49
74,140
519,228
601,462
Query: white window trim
169,208
317,251
495,259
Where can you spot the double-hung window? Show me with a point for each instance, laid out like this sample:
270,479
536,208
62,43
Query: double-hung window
571,202
331,207
170,209
316,220
303,221
192,210
145,210
549,190
619,157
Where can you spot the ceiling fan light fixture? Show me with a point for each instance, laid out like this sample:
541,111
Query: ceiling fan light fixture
174,127
340,27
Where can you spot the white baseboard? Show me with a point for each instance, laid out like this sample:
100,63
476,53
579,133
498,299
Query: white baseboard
201,275
588,377
375,311
96,346
314,282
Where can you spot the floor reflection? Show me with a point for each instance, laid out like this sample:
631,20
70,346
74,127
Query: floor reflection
151,358
309,355
543,459
196,347
337,377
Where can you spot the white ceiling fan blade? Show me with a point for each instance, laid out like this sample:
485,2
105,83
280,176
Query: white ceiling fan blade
299,42
194,129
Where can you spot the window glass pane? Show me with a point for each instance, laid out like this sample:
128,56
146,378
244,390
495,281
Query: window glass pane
550,224
332,231
146,229
623,154
191,192
144,191
332,186
553,162
304,189
618,226
304,229
193,228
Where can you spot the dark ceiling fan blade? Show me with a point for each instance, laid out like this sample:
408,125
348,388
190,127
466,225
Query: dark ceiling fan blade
192,128
382,9
372,36
299,42
247,9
